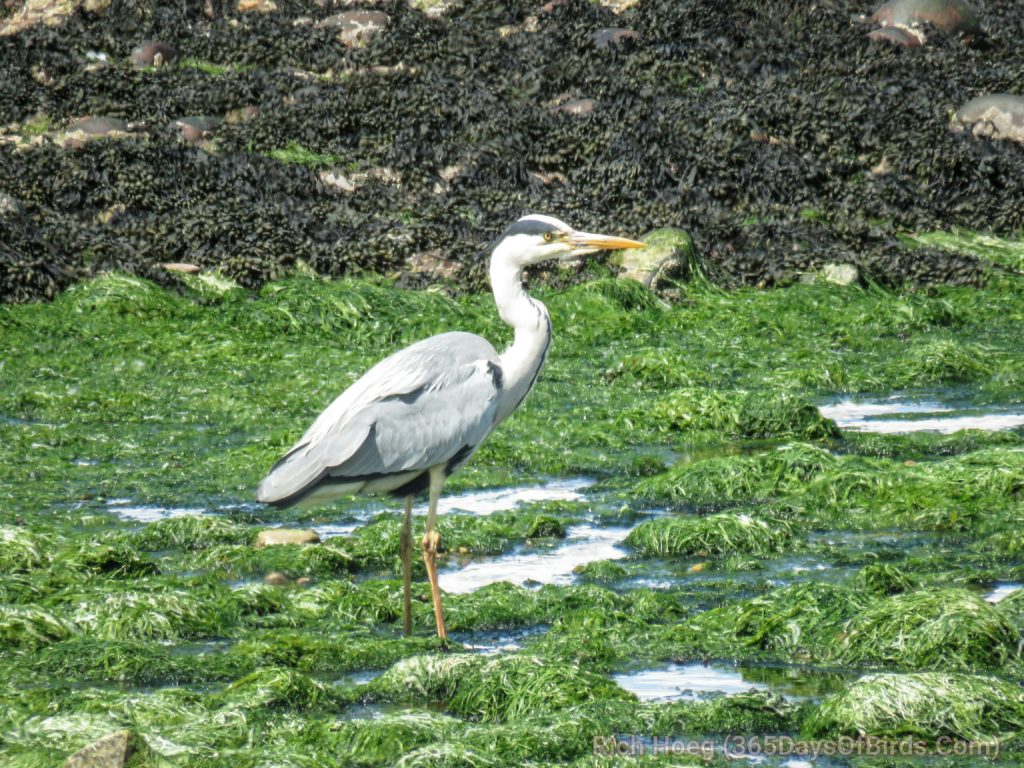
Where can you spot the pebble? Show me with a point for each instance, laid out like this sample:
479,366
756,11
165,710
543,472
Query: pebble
274,536
154,54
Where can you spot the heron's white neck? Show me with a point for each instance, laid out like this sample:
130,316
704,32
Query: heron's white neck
522,361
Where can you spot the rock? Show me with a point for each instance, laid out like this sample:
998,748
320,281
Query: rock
257,6
907,38
276,579
668,254
356,26
948,15
193,130
837,274
995,116
121,749
33,12
575,107
154,54
99,126
273,536
177,266
303,581
241,115
337,180
613,36
433,265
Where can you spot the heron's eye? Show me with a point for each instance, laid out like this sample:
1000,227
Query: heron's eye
549,236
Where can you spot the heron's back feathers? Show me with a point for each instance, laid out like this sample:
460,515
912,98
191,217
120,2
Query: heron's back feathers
428,404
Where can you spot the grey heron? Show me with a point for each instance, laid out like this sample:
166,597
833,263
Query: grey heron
418,415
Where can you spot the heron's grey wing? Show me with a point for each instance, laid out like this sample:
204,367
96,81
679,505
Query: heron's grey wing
416,409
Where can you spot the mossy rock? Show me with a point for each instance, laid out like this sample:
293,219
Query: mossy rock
669,255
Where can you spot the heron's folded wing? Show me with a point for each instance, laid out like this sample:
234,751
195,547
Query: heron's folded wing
418,408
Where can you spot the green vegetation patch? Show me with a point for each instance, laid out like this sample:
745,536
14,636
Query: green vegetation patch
494,689
720,534
745,478
800,621
722,414
926,705
931,628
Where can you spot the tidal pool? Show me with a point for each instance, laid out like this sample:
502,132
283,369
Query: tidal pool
685,682
901,414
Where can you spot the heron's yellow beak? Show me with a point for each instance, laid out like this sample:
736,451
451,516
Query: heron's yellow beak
586,242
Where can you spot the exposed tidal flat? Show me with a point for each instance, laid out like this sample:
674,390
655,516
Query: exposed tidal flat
748,566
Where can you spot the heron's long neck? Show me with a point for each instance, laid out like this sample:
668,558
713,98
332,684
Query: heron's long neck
522,361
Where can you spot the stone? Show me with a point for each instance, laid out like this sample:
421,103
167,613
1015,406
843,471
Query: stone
613,36
668,254
274,536
575,107
356,26
948,15
276,579
906,38
121,749
994,116
337,180
178,266
193,130
241,115
47,12
839,274
154,54
256,6
99,126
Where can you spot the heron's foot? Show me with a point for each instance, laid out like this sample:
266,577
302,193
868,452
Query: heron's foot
431,543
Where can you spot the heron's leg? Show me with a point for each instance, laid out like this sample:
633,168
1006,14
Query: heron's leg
431,541
405,543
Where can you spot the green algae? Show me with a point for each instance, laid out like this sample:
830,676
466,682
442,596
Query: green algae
926,704
720,534
123,391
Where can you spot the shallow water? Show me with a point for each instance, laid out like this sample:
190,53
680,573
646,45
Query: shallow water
907,414
1002,590
489,501
149,513
685,682
584,543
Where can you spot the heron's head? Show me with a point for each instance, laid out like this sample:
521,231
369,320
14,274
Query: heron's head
536,238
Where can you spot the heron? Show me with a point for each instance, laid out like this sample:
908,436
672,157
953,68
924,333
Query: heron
417,416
